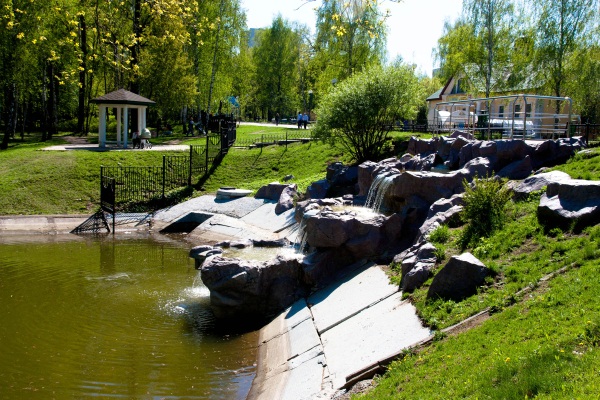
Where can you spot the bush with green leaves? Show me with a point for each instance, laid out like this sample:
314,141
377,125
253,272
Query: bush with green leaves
360,111
484,209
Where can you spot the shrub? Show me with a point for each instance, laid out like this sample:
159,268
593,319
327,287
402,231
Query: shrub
441,234
484,209
361,110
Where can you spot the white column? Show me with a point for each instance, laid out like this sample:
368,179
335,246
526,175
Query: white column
119,125
140,124
142,114
125,126
102,126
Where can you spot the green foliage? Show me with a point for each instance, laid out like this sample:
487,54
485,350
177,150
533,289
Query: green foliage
358,114
441,234
562,27
484,209
275,57
350,36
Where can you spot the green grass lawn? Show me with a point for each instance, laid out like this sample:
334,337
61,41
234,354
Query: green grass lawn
33,181
539,343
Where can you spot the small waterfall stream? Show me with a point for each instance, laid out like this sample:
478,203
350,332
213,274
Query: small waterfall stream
378,190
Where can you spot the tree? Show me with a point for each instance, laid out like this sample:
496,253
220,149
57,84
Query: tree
564,27
276,57
456,47
350,36
585,90
360,111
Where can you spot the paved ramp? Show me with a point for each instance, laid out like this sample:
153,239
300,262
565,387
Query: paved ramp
311,349
226,219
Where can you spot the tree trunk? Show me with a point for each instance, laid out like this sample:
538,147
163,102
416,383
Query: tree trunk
135,55
214,63
82,82
52,113
11,117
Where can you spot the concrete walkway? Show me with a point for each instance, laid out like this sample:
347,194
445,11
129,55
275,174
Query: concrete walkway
318,345
95,147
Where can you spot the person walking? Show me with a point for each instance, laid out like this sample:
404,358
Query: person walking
191,126
299,120
305,120
277,119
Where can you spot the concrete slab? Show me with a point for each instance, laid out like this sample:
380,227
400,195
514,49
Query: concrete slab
350,295
222,227
378,331
236,208
264,217
42,224
291,364
304,380
294,315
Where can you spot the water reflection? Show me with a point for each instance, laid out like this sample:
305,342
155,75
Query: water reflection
104,317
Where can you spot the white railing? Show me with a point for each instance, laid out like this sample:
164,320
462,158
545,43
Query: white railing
521,116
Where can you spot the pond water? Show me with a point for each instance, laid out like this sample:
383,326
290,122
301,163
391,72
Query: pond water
112,317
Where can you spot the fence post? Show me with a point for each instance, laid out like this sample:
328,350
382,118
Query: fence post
207,150
587,133
286,139
190,169
164,175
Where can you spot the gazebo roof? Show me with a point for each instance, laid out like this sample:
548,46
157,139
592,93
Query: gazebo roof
122,96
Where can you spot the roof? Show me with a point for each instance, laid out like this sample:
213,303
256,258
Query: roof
436,96
122,96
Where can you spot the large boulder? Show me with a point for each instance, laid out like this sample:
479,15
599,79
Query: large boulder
519,169
423,162
286,199
549,153
458,279
422,146
534,183
417,266
241,288
318,189
342,179
442,212
272,191
432,186
573,203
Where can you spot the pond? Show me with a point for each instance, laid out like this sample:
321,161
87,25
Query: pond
108,317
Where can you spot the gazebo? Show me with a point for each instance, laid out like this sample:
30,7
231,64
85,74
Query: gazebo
122,100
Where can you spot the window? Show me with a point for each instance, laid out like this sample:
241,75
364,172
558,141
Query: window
501,112
528,110
517,110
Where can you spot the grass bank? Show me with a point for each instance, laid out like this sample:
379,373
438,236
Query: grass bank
542,337
33,181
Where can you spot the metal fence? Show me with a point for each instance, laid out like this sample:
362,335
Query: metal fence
589,132
300,136
122,185
507,117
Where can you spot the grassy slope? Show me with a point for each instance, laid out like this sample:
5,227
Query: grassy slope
542,344
33,181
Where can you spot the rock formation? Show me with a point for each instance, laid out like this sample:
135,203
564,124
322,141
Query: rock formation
424,192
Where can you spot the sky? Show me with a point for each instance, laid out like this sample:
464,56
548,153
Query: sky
414,25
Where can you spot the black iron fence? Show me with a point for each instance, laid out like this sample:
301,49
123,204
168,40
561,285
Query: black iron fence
590,132
276,139
120,186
